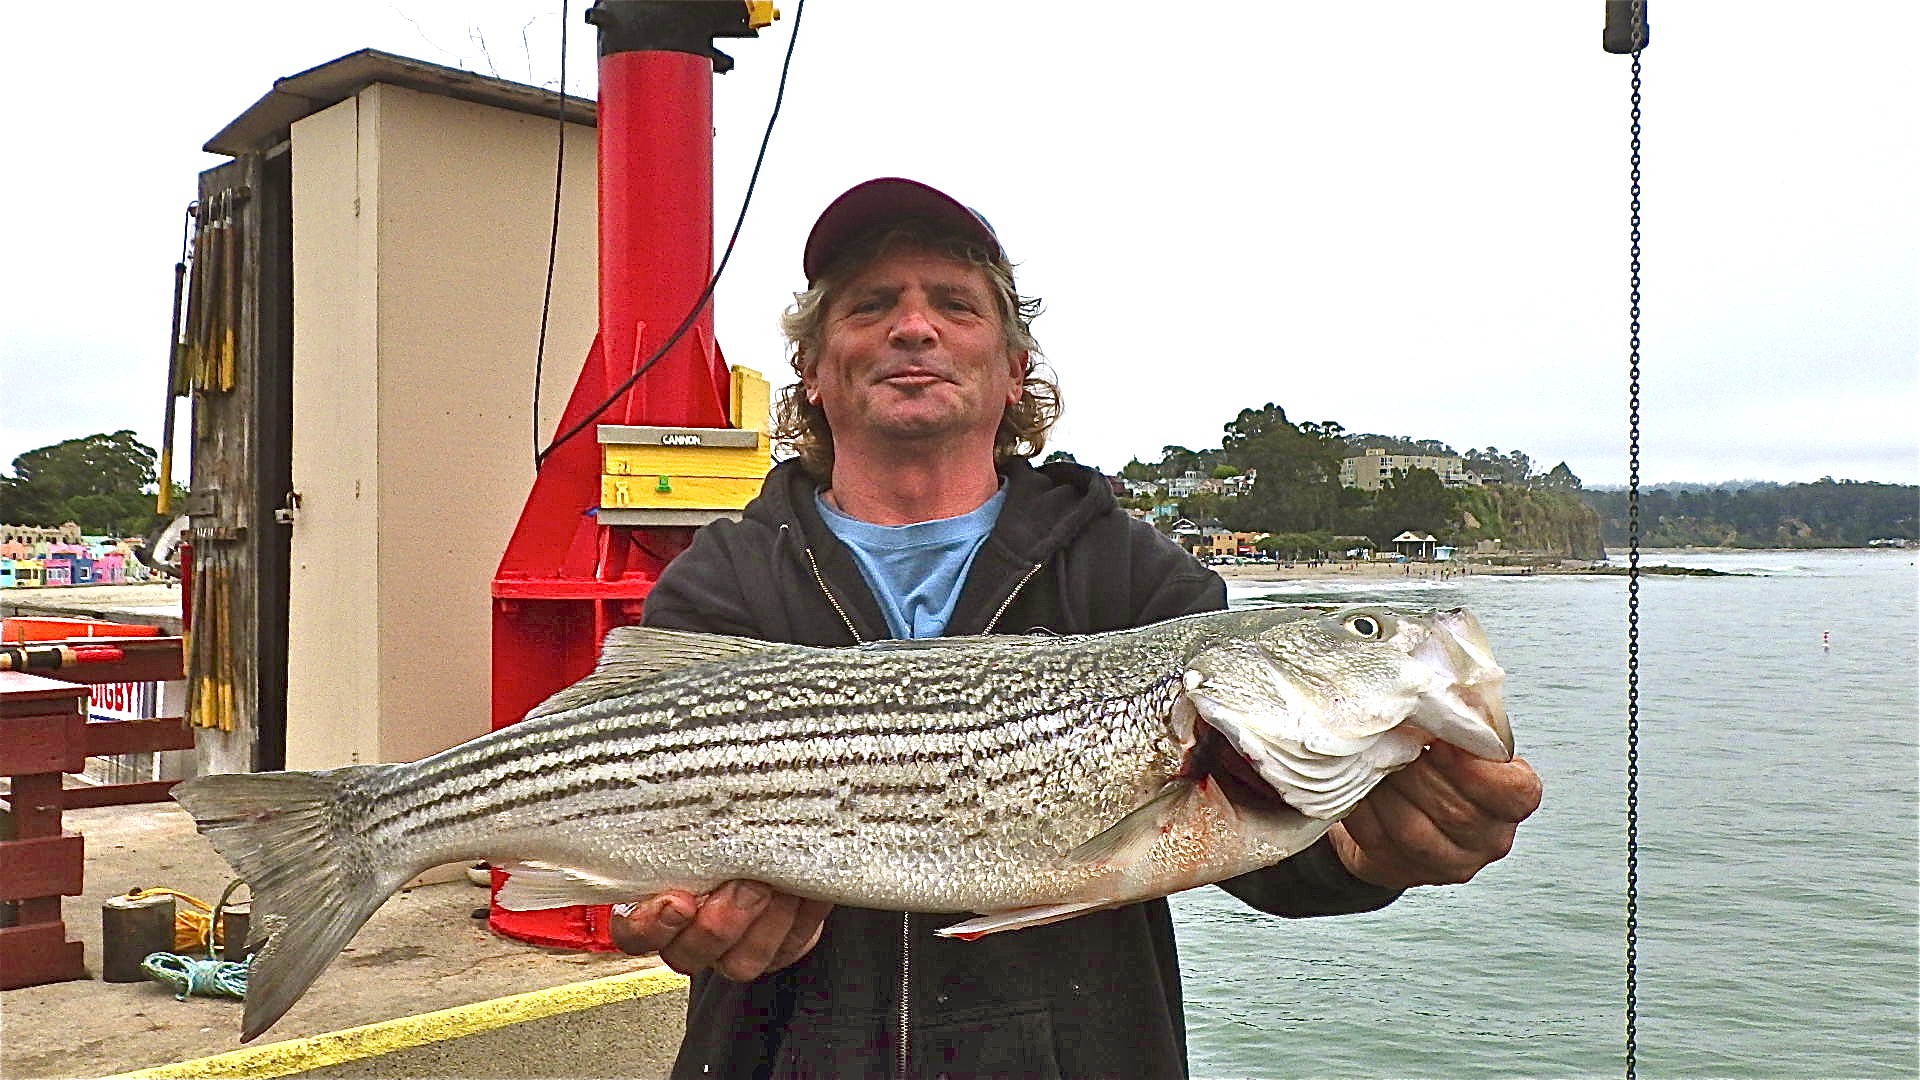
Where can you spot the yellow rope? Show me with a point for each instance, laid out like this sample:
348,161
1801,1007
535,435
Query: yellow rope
189,926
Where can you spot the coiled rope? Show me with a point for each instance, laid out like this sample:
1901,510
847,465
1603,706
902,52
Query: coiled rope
186,975
190,975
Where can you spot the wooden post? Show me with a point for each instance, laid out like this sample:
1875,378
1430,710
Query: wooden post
42,736
132,929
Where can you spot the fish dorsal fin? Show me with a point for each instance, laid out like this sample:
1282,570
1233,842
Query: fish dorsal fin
640,651
633,654
959,641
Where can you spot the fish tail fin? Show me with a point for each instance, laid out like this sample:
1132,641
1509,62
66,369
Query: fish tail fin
296,840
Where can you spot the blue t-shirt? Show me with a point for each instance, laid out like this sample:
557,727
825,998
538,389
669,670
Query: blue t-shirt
916,571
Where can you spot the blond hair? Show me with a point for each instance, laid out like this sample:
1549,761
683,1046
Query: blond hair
801,427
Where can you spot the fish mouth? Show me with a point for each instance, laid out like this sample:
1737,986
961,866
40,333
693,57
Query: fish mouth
1470,712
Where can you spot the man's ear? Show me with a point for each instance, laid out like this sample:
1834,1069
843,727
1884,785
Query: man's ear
805,367
1019,365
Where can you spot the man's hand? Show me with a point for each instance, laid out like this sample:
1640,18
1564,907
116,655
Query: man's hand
1438,821
741,930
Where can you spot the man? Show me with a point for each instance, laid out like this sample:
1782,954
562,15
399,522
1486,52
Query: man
912,511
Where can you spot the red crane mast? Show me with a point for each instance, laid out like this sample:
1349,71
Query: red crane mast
567,577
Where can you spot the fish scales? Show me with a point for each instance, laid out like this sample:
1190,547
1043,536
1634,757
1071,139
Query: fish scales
984,773
649,723
1029,779
891,713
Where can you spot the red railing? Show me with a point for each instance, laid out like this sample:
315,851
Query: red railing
44,735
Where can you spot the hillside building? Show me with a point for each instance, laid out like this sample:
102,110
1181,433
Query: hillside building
1373,468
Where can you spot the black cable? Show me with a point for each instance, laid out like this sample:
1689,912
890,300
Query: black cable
706,294
553,236
1633,578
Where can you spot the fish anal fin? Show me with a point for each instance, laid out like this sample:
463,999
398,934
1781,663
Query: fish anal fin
533,886
1020,918
1128,840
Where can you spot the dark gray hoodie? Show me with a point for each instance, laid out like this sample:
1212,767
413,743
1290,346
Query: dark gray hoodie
1097,995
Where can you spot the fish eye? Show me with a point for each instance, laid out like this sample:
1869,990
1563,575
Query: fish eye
1365,626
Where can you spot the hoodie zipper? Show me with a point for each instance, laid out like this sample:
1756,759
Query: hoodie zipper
1008,602
903,1049
906,990
821,580
906,919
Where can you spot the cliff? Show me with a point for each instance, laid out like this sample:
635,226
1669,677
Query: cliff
1531,519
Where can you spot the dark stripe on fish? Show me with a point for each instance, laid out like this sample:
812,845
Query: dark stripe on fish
443,788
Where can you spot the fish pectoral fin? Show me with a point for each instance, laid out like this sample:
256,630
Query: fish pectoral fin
1020,918
634,654
533,886
1128,840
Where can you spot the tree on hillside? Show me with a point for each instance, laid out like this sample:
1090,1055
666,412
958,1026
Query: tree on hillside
1510,468
1059,455
1176,460
1394,444
1179,461
1297,545
97,482
1825,513
1252,425
1413,499
1560,478
1135,469
1298,487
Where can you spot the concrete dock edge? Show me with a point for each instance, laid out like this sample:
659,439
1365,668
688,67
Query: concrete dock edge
372,1040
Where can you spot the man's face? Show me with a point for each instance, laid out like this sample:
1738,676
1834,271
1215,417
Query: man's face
913,353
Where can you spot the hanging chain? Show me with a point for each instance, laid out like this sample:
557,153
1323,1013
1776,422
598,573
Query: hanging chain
1633,585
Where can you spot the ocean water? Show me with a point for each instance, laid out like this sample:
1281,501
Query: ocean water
1777,821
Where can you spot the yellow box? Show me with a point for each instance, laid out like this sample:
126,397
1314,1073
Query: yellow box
621,460
681,492
653,468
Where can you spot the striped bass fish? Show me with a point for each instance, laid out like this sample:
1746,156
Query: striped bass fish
1027,779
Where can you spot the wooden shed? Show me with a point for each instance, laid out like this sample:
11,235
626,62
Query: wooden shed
370,271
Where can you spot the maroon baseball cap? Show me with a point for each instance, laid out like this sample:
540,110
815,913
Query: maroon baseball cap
890,198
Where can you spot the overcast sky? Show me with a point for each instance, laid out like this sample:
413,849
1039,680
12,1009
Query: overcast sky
1386,215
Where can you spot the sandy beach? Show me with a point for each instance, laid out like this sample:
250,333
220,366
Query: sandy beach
1351,570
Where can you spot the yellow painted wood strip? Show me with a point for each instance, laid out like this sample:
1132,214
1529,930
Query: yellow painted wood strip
623,460
352,1044
751,396
685,492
